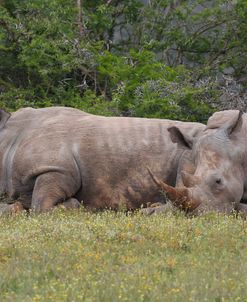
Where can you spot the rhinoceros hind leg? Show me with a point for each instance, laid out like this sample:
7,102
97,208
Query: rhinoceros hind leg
51,189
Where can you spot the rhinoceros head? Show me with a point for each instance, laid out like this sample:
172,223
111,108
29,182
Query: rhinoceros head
214,180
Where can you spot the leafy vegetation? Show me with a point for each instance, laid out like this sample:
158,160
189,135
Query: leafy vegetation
80,256
174,59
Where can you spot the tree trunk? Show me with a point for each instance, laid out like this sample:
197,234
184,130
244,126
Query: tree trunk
80,19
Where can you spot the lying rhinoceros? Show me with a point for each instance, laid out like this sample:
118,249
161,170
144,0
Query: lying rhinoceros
57,155
214,178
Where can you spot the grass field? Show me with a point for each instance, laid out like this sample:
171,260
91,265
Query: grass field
78,256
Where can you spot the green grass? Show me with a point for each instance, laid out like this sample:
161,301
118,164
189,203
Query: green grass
78,256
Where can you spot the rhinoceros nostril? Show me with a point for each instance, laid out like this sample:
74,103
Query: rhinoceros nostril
218,181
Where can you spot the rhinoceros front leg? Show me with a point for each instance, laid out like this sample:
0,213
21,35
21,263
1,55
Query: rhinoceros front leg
52,189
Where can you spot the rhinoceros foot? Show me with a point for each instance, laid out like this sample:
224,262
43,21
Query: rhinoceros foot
11,209
242,210
156,208
16,208
71,203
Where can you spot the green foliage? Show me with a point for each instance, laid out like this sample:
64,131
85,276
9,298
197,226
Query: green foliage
80,256
120,57
162,92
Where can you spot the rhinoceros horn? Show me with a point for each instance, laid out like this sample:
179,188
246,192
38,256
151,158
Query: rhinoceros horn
178,196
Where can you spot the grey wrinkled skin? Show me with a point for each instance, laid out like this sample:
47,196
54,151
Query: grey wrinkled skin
59,156
216,170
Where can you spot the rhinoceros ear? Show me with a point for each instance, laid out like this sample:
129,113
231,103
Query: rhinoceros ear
235,124
4,116
180,138
227,122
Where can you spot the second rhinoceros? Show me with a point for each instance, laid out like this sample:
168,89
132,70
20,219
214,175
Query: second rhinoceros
58,155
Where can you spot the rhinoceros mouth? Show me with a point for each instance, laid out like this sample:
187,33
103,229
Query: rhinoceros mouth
180,197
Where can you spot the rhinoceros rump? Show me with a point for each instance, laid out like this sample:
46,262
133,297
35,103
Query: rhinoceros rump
57,155
217,175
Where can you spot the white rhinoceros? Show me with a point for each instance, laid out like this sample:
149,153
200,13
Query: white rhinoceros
60,155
